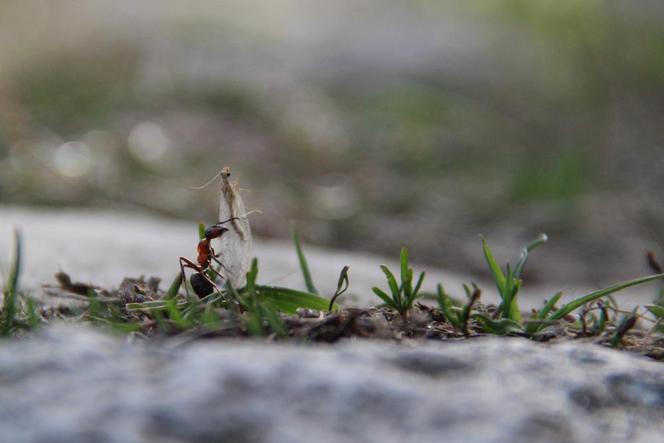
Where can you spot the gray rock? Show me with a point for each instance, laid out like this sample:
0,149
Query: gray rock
77,385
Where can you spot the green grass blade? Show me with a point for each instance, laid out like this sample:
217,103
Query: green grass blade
12,284
403,261
539,320
290,300
515,310
406,274
575,304
392,282
523,258
201,231
175,315
504,326
510,305
16,268
210,320
549,305
254,323
508,293
148,306
418,285
414,292
269,313
405,291
174,287
304,266
234,295
33,314
252,275
496,272
386,298
445,305
656,310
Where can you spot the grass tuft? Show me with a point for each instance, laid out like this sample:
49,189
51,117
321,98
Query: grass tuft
401,297
304,266
508,285
140,308
579,302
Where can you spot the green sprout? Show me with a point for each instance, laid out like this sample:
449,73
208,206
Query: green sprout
458,316
401,296
508,285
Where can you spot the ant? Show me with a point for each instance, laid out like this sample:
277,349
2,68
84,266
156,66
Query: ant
200,282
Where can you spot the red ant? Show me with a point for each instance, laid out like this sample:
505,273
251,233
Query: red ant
200,282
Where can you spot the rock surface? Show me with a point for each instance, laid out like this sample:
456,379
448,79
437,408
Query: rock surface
76,385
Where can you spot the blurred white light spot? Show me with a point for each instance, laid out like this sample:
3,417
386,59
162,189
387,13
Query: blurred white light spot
73,159
148,142
315,116
334,199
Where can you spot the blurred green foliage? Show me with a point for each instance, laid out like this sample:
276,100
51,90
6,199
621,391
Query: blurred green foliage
550,110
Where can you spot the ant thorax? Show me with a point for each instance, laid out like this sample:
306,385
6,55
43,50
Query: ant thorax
204,252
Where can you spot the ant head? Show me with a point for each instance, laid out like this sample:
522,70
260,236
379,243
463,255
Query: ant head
214,231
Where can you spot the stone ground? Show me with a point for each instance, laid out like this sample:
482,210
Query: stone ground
76,385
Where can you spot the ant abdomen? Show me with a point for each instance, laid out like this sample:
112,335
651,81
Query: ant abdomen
201,285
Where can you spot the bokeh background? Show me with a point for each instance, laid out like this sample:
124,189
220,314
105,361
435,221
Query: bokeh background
371,123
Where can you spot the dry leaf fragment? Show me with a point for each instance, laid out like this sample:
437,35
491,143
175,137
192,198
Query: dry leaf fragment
236,246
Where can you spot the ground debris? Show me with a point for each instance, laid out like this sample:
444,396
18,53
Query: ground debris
74,287
137,290
139,305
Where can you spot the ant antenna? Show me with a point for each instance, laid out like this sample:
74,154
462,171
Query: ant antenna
226,221
237,217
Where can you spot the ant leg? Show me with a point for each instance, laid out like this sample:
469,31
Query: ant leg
216,288
214,256
216,260
183,276
186,263
217,272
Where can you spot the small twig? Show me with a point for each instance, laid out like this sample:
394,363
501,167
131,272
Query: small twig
74,287
477,293
343,279
627,323
109,300
653,263
584,326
